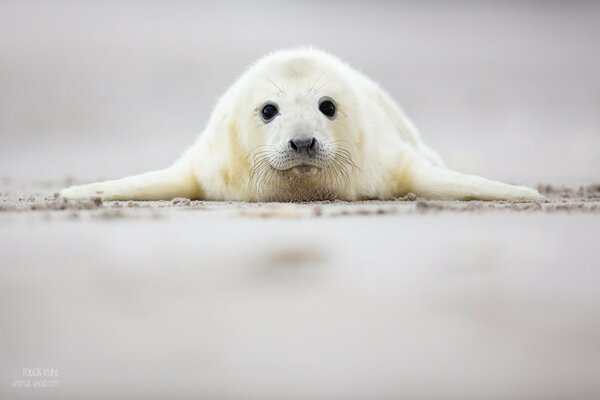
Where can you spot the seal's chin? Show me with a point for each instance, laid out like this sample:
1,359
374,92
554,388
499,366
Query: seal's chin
303,170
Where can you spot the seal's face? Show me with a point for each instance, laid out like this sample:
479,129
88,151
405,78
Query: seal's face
301,144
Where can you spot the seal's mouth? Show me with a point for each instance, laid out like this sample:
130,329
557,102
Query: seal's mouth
302,170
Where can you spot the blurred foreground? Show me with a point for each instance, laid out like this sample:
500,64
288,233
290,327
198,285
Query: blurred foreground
376,300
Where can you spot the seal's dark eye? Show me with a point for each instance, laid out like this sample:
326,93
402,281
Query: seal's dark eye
269,111
327,107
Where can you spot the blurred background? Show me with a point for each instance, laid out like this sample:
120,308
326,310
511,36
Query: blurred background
101,89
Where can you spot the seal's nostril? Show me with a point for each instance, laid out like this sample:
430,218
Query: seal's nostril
303,145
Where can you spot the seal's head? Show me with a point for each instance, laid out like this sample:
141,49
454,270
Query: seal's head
295,123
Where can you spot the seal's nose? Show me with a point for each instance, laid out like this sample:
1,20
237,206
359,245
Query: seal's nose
304,145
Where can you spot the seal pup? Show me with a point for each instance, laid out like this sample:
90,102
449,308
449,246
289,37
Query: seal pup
301,125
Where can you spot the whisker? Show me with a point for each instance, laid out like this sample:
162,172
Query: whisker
316,81
277,86
256,173
336,165
273,92
321,87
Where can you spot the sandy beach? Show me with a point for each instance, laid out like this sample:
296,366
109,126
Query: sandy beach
351,300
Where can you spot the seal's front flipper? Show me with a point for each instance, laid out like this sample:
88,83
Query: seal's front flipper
167,184
443,184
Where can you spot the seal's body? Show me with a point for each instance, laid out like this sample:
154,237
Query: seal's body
302,125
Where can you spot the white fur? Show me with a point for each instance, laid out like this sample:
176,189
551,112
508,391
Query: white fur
369,150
